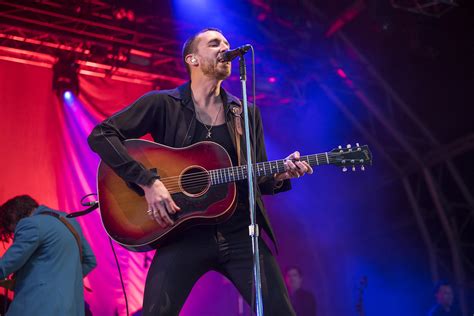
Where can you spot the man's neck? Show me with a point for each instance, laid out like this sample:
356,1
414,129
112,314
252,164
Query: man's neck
294,290
206,92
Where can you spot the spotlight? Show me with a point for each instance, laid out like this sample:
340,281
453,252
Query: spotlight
67,95
65,77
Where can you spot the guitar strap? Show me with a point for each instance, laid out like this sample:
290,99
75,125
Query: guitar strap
69,227
236,111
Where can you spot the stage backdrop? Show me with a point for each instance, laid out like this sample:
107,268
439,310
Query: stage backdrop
336,226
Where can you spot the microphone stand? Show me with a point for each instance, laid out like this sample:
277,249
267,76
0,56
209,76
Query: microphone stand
253,228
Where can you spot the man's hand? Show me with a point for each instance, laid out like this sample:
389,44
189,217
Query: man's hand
160,203
294,169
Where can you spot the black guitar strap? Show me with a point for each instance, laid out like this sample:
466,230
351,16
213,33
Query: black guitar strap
69,227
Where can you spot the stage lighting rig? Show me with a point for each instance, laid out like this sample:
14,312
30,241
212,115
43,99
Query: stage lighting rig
435,8
65,75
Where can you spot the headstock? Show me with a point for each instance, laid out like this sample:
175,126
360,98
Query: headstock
351,157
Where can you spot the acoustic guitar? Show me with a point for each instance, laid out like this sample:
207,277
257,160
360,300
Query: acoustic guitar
200,179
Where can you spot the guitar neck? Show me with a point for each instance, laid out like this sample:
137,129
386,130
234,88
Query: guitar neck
226,175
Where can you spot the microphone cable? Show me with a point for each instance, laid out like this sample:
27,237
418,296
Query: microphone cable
92,206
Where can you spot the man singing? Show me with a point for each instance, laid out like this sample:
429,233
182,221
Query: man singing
196,111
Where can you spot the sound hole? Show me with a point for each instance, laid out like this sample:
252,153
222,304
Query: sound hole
195,181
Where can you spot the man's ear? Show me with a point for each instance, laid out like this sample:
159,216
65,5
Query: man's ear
191,60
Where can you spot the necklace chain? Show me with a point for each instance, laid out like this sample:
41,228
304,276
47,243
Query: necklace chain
209,129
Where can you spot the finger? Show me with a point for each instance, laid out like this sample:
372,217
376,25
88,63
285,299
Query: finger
167,203
149,213
157,217
310,169
161,211
291,165
302,169
293,174
164,211
175,206
296,154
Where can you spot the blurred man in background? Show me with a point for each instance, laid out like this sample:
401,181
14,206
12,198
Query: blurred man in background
303,301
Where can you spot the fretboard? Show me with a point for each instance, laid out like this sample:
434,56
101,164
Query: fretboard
225,175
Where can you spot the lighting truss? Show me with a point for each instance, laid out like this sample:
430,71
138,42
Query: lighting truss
435,8
36,32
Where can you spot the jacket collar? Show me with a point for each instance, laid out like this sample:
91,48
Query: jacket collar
183,93
40,209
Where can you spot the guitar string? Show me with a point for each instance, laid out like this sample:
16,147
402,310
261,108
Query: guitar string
193,185
230,172
243,167
196,181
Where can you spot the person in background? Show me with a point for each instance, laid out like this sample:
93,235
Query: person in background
49,257
444,296
303,301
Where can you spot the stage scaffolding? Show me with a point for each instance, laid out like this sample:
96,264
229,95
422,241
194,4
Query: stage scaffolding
36,32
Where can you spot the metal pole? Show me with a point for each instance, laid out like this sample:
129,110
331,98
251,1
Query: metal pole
452,240
425,234
253,228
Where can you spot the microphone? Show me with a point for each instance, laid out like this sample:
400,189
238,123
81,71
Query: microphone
233,53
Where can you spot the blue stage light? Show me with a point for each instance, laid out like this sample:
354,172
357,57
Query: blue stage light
67,95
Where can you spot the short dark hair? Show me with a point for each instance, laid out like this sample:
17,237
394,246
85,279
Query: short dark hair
189,46
12,211
289,268
439,284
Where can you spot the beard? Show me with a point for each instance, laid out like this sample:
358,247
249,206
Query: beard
215,70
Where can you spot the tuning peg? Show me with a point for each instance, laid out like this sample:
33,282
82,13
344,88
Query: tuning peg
357,145
353,168
344,169
339,147
362,168
348,146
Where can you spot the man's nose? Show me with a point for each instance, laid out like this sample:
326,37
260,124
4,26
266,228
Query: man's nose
224,48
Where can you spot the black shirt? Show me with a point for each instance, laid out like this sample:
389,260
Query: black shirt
169,117
220,135
303,302
438,310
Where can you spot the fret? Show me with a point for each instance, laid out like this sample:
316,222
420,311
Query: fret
233,174
281,166
237,173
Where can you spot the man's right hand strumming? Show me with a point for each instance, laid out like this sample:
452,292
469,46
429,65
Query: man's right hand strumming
160,203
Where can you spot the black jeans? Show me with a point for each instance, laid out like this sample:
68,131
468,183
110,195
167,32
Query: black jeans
224,248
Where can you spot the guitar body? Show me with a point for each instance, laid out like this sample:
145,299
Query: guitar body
184,173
